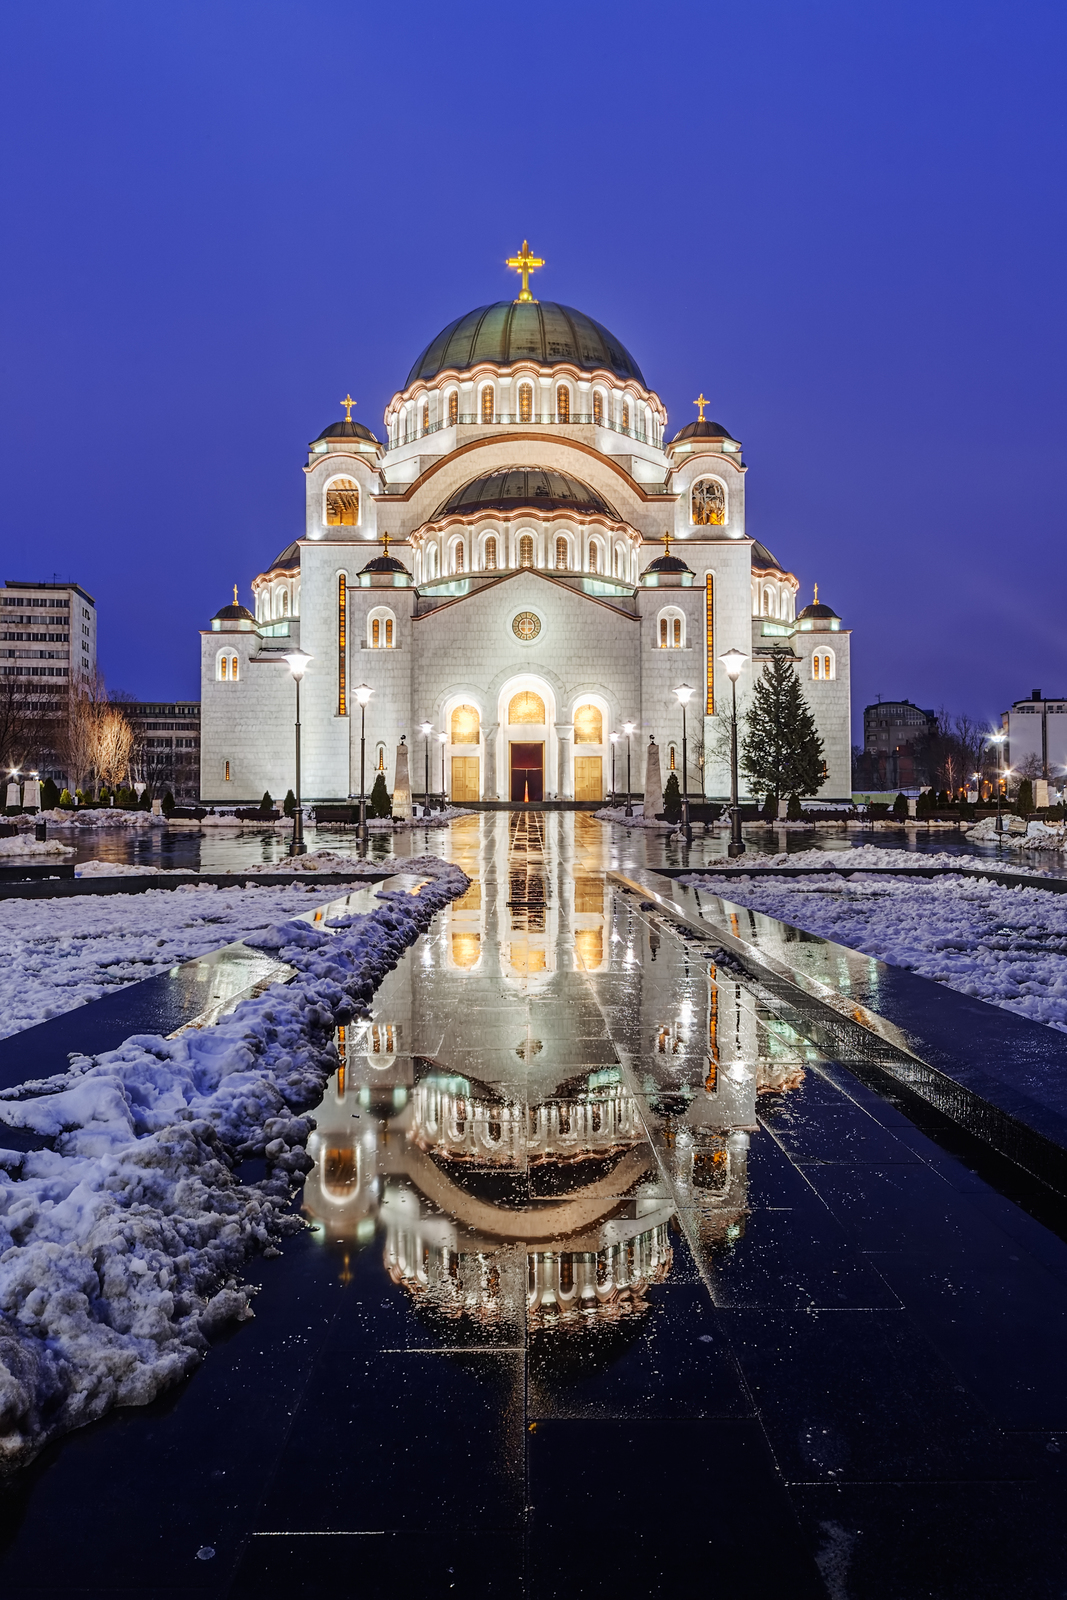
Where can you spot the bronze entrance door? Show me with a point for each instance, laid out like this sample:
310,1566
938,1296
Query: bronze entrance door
465,778
588,778
527,772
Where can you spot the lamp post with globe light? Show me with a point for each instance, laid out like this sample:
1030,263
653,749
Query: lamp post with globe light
614,742
297,662
442,739
426,728
628,728
363,694
998,739
733,661
683,695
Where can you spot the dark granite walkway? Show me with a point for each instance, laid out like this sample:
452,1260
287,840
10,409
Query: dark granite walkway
616,1285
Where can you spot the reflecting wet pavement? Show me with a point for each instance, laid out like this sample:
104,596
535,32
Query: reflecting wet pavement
614,1285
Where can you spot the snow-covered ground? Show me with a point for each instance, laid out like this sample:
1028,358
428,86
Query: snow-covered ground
638,820
121,1241
868,855
1007,946
320,861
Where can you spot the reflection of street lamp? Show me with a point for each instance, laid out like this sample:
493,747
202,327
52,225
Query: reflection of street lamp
297,662
998,739
444,740
628,728
363,694
733,661
614,742
683,694
426,728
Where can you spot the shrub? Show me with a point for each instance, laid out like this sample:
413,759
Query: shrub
66,800
1024,800
770,809
81,797
794,810
167,803
900,807
924,804
49,795
104,796
672,799
381,801
145,802
289,805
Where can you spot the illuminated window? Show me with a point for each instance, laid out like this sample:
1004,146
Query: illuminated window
663,633
342,645
342,503
285,602
673,757
563,403
227,776
224,668
380,629
822,666
594,559
233,669
709,604
388,633
426,417
453,408
588,725
525,402
380,763
457,558
466,725
488,403
598,408
376,633
561,554
708,504
526,550
526,707
677,633
626,413
490,554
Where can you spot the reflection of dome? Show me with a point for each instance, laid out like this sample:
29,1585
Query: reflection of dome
537,488
347,430
461,1120
541,331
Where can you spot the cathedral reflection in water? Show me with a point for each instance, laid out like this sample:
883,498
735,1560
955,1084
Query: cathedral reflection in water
523,1167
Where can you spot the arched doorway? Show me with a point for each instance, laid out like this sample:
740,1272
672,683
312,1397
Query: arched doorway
526,720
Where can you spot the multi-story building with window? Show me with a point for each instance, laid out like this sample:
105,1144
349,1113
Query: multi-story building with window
168,745
47,639
1037,738
530,563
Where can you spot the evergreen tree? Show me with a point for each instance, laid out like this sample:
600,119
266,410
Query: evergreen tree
380,803
781,752
49,795
1024,800
770,809
266,805
672,799
167,804
794,811
145,802
289,805
900,808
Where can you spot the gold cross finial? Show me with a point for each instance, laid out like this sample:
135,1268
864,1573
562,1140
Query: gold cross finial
235,594
348,403
701,402
385,544
525,262
816,594
667,541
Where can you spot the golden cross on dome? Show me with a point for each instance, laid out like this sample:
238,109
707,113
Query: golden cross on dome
667,541
385,544
816,594
701,402
525,262
348,403
235,594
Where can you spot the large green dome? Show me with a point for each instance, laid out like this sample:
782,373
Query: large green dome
510,331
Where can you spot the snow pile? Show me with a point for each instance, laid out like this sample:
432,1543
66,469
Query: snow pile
858,858
433,819
20,844
121,1241
58,954
1034,835
1007,946
119,869
638,820
98,817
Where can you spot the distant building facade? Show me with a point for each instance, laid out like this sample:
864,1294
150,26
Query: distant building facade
1037,737
47,639
896,735
168,745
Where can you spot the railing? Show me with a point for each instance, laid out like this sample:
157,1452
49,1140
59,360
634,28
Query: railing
539,419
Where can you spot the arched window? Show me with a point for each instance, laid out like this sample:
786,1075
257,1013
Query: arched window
563,403
671,629
380,629
768,602
227,778
453,408
626,413
525,402
708,504
561,554
457,556
488,403
285,602
227,668
466,725
526,550
616,562
425,416
526,707
663,633
342,503
594,558
431,561
588,725
379,765
677,633
598,408
376,633
822,666
673,757
490,553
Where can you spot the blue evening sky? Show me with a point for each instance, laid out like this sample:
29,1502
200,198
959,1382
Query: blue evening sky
843,221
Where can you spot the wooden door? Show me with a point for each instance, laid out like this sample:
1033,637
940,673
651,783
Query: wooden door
465,785
588,778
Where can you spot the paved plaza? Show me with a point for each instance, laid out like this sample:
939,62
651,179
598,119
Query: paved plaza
617,1282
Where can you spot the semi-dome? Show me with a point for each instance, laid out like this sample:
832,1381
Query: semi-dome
703,430
347,429
538,488
541,331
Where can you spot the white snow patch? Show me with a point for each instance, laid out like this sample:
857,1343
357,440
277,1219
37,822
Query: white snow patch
20,844
121,1241
638,820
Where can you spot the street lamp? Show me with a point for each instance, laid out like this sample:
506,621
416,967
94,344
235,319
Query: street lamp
998,739
733,661
297,662
443,737
426,728
683,695
628,728
363,694
614,742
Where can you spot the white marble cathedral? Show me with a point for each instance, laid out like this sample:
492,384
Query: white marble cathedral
527,564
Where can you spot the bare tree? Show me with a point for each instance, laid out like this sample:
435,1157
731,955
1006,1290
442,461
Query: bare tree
112,744
78,746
